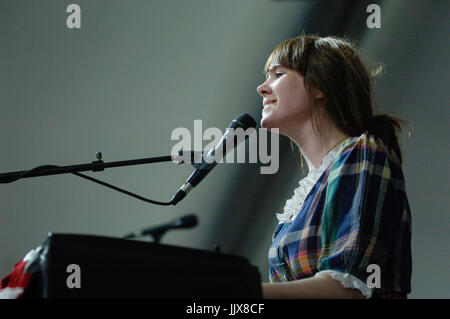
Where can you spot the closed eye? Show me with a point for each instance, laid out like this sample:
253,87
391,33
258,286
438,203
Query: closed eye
275,71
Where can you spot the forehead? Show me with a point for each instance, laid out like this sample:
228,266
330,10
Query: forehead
272,67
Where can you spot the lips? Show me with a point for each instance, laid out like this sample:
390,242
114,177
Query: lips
267,102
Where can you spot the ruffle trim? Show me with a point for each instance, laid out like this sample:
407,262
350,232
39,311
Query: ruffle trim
295,203
348,281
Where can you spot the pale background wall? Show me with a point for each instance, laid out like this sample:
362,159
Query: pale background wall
136,70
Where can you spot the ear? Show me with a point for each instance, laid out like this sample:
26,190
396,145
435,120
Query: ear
317,94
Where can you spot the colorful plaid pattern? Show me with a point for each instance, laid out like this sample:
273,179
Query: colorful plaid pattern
357,214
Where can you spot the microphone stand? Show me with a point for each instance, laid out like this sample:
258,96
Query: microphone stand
94,166
157,232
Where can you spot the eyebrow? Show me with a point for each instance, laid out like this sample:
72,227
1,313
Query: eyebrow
272,68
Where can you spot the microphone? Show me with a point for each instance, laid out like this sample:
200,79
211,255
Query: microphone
243,121
187,221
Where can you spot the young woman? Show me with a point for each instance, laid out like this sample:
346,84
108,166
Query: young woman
346,232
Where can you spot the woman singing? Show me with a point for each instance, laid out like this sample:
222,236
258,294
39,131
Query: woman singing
346,232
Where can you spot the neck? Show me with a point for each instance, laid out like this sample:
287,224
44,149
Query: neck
314,147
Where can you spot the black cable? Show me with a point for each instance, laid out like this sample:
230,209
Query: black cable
27,173
122,190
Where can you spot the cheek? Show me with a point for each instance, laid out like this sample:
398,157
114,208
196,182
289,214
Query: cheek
295,101
292,90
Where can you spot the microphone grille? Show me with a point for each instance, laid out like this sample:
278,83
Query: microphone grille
186,221
244,121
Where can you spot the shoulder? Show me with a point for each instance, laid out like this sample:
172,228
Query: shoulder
366,147
366,153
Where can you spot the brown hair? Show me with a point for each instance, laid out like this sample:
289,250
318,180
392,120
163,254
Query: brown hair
333,66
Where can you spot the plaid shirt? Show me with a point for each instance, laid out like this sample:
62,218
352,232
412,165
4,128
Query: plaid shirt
356,214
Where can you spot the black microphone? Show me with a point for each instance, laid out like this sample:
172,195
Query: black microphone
187,221
243,121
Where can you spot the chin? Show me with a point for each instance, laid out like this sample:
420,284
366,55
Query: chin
268,121
265,123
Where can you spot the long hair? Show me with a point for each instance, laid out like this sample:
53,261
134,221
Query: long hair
333,66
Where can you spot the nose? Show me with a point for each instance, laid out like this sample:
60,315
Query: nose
264,89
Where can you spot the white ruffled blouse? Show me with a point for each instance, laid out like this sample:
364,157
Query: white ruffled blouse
294,205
